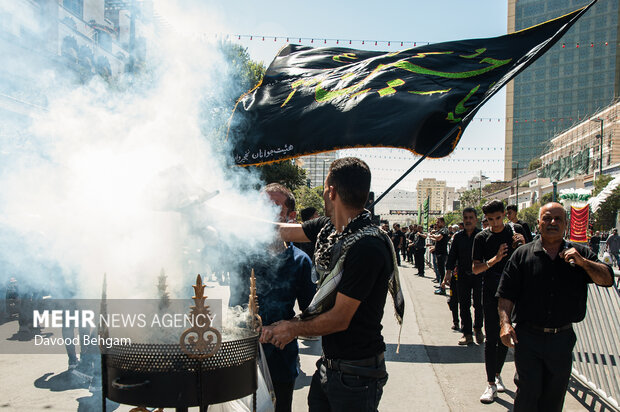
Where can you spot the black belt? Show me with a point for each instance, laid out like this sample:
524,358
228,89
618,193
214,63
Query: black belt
361,367
549,330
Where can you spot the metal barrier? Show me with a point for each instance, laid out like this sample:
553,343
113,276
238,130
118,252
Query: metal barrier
596,356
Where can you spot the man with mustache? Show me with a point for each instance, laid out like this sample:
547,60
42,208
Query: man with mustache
544,289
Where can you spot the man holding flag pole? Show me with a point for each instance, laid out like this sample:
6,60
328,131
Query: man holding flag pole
316,100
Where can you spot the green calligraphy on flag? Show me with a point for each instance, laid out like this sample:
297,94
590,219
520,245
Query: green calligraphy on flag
315,100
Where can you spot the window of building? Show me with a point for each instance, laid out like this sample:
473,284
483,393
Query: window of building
74,6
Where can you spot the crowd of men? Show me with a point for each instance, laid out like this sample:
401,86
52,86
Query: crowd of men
526,291
480,271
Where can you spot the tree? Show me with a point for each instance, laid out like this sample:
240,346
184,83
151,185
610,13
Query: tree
546,198
286,173
530,215
452,218
605,216
600,183
238,77
494,187
310,197
470,198
534,164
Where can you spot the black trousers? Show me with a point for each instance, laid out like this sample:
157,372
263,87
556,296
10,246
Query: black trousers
470,285
543,362
453,300
396,249
284,395
418,255
441,266
494,350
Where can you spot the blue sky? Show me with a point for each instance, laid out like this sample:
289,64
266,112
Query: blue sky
419,21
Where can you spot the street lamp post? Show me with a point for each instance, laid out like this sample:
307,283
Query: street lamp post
480,188
324,161
517,191
600,170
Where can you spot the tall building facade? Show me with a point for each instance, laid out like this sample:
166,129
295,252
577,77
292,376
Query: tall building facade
317,166
78,38
435,191
576,78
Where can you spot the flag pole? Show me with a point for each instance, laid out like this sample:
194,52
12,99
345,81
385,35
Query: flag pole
550,42
454,129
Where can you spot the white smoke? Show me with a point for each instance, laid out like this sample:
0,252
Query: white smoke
109,177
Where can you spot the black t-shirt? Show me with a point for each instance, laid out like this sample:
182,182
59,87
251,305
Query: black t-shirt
460,251
526,229
420,241
367,269
546,293
397,236
595,243
487,243
441,246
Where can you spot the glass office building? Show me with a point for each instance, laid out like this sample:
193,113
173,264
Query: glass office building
575,78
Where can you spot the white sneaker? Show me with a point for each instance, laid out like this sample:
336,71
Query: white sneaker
489,394
499,384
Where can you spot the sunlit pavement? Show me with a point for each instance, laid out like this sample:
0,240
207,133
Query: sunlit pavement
431,372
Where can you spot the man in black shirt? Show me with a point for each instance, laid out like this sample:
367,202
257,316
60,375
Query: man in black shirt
546,283
492,248
397,238
511,214
419,248
410,239
357,265
595,242
441,237
306,214
468,283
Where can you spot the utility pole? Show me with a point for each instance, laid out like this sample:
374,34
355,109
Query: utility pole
480,190
600,170
517,173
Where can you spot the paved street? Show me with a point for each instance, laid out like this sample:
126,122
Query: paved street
431,372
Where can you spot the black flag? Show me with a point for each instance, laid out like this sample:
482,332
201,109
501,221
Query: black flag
316,100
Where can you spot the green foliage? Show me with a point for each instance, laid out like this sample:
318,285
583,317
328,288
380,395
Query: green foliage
453,218
534,164
494,187
600,183
471,198
307,197
530,215
605,216
286,173
546,198
244,72
239,76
